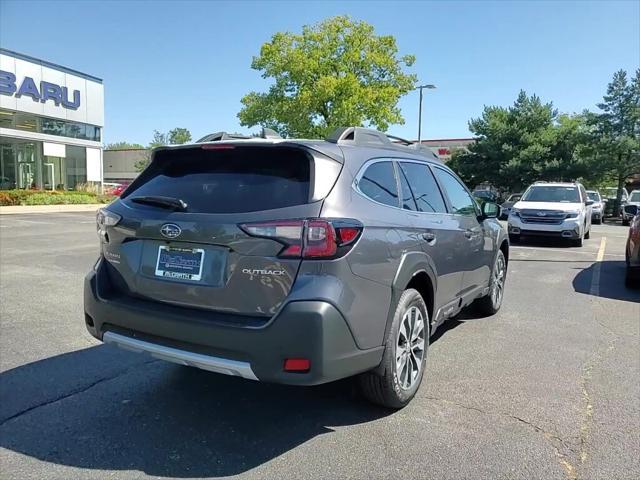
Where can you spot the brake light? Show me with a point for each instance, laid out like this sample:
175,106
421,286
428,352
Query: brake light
311,239
217,146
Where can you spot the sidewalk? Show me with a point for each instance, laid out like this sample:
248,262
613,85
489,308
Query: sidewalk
21,209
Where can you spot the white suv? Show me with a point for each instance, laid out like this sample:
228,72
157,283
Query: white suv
552,209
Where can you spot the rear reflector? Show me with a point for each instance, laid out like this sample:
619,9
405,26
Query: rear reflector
297,365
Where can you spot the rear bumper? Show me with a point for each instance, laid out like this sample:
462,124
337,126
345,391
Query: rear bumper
314,330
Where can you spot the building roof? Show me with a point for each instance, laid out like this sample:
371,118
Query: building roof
45,63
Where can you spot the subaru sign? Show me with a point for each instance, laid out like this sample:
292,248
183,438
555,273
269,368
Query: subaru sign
45,91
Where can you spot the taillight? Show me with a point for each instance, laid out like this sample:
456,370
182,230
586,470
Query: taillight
314,238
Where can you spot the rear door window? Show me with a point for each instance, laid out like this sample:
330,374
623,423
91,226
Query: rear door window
240,179
424,188
378,182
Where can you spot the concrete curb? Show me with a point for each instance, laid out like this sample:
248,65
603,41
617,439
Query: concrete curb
21,209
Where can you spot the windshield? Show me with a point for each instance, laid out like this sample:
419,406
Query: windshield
514,198
552,194
635,197
595,196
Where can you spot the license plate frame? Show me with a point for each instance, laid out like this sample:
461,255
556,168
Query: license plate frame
189,273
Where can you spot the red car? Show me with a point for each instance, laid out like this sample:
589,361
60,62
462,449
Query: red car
115,188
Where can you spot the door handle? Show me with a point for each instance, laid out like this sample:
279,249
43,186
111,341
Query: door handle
429,236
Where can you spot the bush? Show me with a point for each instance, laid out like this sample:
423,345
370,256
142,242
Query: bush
42,197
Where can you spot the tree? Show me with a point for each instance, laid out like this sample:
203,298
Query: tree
335,73
123,146
616,131
176,136
179,136
521,144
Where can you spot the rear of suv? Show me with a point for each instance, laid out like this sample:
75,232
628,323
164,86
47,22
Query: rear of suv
561,210
294,261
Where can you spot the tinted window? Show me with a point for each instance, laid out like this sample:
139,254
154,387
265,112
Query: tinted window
407,200
545,193
243,179
379,183
461,201
595,196
424,187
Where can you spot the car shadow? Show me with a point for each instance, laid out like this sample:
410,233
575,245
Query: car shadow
106,409
548,242
610,283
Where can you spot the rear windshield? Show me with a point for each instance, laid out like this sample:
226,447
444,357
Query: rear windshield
242,179
552,194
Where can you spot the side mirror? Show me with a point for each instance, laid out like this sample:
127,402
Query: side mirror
631,209
490,210
588,202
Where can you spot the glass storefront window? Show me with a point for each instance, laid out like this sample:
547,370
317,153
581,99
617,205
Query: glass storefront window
50,126
76,166
30,165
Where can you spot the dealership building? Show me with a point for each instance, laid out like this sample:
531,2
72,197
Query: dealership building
51,121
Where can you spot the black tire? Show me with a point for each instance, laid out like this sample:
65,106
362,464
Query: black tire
514,238
587,235
384,388
596,222
489,305
578,242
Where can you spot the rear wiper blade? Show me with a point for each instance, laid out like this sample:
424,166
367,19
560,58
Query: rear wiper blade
162,202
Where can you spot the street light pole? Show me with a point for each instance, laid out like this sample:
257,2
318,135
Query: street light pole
430,87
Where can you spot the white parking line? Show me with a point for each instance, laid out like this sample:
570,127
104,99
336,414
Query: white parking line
544,249
595,279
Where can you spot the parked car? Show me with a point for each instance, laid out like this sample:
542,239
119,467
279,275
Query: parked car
609,195
597,209
506,206
632,254
631,207
295,261
485,196
560,210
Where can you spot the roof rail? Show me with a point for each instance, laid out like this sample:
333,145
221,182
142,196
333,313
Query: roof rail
266,133
369,137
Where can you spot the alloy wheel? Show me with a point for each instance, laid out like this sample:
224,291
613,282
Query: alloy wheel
410,347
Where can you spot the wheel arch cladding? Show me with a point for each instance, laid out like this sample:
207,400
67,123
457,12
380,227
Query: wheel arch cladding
416,270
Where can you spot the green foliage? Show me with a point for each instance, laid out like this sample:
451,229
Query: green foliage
179,136
42,197
123,146
614,147
524,143
335,73
175,136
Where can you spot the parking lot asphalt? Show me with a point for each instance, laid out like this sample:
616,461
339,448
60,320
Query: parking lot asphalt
549,388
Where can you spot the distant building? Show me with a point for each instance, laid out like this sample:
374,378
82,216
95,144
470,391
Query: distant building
120,165
51,121
444,147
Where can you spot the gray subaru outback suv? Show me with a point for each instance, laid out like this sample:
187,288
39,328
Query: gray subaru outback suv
295,261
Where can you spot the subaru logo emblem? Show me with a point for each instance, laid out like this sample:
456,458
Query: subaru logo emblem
542,214
170,230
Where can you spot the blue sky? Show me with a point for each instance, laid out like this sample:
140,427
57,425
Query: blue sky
187,64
